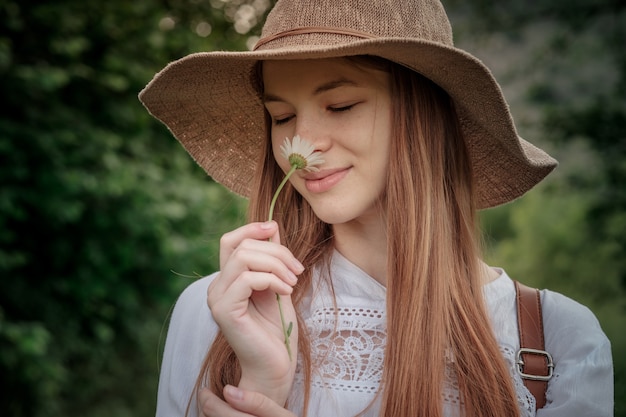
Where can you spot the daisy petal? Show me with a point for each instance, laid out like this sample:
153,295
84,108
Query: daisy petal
301,154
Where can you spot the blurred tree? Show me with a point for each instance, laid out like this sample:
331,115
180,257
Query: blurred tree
563,66
98,202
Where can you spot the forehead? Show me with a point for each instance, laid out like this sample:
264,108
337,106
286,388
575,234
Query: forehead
313,73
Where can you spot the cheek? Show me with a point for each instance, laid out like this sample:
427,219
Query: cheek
381,148
380,166
380,179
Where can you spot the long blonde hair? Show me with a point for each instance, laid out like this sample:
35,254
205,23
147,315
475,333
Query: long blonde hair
436,318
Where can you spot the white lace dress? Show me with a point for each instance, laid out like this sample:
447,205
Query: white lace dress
350,366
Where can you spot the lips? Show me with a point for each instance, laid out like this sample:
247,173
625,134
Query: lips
319,182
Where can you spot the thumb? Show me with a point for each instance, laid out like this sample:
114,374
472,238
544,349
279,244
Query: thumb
269,225
254,403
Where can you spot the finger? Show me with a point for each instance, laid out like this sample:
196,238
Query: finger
257,256
254,403
250,243
259,231
212,406
238,294
256,281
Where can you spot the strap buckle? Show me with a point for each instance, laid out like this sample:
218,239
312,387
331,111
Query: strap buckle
520,364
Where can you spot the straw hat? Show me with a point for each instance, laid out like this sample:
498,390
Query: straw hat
209,103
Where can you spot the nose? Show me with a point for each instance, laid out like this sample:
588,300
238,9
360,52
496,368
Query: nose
314,131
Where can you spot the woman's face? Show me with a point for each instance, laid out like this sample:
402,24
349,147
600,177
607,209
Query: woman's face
344,111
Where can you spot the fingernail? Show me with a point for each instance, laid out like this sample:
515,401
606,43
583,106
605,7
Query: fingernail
267,225
298,266
233,392
293,278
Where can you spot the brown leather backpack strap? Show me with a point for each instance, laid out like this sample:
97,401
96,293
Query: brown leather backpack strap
534,364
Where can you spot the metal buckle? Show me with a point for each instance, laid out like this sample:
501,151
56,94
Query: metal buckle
520,364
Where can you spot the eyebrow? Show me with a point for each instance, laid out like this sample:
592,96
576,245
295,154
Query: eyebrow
341,82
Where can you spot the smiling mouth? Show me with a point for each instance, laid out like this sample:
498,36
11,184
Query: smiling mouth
319,182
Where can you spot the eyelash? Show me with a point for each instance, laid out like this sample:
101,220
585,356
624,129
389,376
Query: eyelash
341,109
279,122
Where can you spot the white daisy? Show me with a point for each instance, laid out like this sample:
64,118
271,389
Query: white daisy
301,154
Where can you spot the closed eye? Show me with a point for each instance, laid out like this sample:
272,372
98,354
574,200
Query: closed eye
342,108
282,120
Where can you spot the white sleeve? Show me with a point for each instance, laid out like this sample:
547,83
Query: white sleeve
190,333
582,384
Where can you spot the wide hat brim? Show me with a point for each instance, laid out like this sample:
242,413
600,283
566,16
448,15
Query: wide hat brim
209,103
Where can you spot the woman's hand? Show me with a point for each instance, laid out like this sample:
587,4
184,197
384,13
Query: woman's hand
239,403
254,267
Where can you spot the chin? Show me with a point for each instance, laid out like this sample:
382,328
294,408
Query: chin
333,218
331,214
335,208
335,215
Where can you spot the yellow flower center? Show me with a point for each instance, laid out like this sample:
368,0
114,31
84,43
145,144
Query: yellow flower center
297,160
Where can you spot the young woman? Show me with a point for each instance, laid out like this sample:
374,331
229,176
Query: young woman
373,252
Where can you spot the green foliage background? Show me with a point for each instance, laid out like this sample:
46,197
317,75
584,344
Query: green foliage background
104,218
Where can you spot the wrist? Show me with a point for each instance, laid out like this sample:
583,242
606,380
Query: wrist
275,389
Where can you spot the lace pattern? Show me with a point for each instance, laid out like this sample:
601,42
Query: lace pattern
348,348
525,399
348,351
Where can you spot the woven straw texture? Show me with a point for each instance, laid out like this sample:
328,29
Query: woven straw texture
209,102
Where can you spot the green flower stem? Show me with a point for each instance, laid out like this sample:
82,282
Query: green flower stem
286,329
278,190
